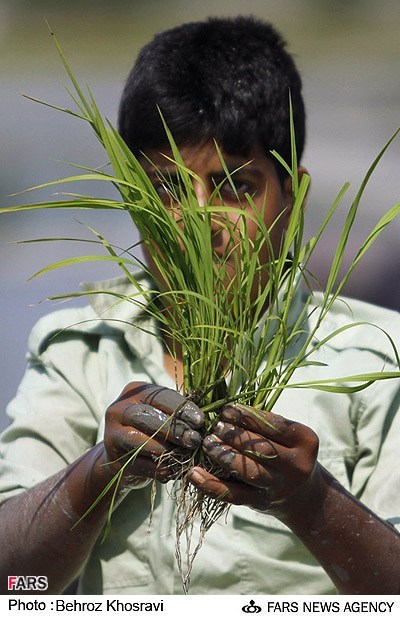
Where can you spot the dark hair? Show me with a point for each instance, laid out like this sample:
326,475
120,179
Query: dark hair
222,79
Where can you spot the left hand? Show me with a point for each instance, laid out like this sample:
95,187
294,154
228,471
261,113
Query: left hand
269,460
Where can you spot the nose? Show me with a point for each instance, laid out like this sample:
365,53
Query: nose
203,197
201,192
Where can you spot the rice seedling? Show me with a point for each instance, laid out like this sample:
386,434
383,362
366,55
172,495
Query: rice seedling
229,317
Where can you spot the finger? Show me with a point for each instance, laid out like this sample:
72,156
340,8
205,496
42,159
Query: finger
152,421
235,463
228,491
167,400
270,425
163,470
131,439
251,444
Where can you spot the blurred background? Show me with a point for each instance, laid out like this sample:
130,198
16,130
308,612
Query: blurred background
348,52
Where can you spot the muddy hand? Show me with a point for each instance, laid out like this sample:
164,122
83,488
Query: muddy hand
151,421
267,457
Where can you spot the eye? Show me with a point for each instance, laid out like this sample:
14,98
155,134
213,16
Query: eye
235,189
167,188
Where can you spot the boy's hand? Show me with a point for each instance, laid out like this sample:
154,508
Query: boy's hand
156,421
268,458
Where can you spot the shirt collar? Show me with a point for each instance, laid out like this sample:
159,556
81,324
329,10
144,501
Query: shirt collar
296,308
119,304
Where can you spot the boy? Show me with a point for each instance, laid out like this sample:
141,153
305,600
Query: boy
296,528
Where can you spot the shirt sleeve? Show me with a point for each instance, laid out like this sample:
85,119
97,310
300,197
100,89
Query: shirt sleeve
374,413
54,415
376,474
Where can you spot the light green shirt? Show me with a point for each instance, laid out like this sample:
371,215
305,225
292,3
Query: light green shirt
80,360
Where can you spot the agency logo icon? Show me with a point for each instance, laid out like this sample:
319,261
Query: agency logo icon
251,608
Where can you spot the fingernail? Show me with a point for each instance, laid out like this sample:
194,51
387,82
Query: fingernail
231,413
195,476
187,437
219,425
191,439
191,414
209,442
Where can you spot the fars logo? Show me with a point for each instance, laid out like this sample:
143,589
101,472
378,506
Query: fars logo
27,582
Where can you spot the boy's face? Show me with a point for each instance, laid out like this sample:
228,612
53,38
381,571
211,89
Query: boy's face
258,178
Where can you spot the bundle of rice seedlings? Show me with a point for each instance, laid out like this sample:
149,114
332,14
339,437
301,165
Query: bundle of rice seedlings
229,317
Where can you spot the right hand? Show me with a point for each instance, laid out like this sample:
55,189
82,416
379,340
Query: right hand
160,424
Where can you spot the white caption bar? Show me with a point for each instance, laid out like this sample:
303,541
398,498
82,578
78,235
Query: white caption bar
232,606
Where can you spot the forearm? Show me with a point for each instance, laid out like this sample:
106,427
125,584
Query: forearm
38,533
358,550
39,526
